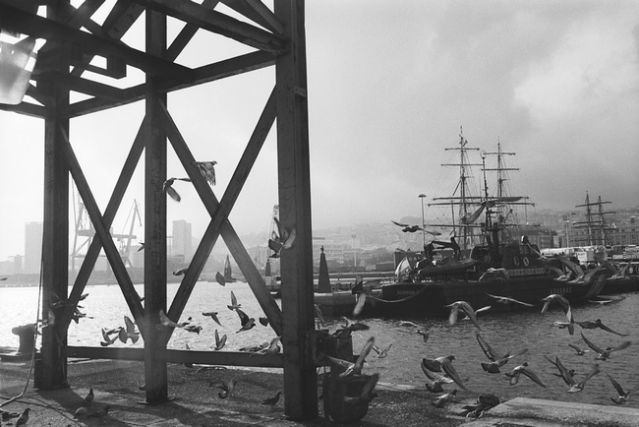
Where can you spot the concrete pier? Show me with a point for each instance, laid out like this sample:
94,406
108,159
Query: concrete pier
523,411
194,400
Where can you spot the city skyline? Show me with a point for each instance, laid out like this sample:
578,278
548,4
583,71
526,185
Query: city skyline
555,82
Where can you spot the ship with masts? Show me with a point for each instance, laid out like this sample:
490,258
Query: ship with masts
486,255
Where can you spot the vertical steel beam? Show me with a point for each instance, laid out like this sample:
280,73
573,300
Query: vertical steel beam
154,219
52,370
300,379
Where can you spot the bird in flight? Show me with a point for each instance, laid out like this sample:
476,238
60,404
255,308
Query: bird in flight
281,239
443,399
523,369
352,368
603,354
508,300
247,322
434,380
167,187
207,169
212,315
578,350
382,352
106,337
444,363
456,306
623,395
219,342
220,278
234,305
181,271
129,330
589,324
496,361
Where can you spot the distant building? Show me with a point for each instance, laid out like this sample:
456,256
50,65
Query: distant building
182,239
11,266
32,247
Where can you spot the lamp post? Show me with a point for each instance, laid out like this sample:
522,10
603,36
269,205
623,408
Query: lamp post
422,196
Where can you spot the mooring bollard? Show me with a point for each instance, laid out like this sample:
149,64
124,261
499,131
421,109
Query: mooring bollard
26,334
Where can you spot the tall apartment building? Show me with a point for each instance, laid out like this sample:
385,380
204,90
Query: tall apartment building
182,239
32,247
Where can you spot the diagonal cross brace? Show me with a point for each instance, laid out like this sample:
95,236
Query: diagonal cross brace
219,217
109,215
130,294
185,35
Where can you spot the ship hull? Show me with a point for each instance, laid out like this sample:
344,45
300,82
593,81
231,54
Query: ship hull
430,298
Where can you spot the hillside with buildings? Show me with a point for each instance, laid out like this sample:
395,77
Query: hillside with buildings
360,247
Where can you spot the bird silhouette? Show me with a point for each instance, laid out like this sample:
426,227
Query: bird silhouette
445,398
167,187
212,315
88,399
106,339
434,380
603,354
219,278
207,169
523,369
192,328
496,361
281,239
181,271
23,418
246,321
234,305
445,364
351,368
578,350
407,228
131,332
508,300
273,347
382,352
623,395
456,306
359,304
589,324
219,342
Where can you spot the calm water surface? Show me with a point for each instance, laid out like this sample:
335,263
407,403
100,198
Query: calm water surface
503,331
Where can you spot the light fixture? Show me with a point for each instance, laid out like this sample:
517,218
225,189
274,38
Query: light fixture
17,59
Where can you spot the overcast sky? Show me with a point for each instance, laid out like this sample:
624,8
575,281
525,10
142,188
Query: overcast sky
389,85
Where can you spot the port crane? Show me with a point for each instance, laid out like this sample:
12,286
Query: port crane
84,231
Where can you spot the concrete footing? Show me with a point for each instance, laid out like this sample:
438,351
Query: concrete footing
520,412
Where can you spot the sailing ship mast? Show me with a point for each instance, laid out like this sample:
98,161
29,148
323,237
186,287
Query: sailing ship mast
461,194
592,224
503,208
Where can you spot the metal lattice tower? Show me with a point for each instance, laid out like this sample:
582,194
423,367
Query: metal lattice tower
72,38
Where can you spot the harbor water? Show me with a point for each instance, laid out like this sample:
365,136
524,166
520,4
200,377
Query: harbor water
505,332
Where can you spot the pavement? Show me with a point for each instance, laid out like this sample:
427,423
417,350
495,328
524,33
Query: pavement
194,401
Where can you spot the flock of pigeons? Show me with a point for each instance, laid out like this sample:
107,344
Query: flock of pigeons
439,371
129,332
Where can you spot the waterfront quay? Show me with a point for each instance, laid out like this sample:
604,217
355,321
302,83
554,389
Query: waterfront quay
194,401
